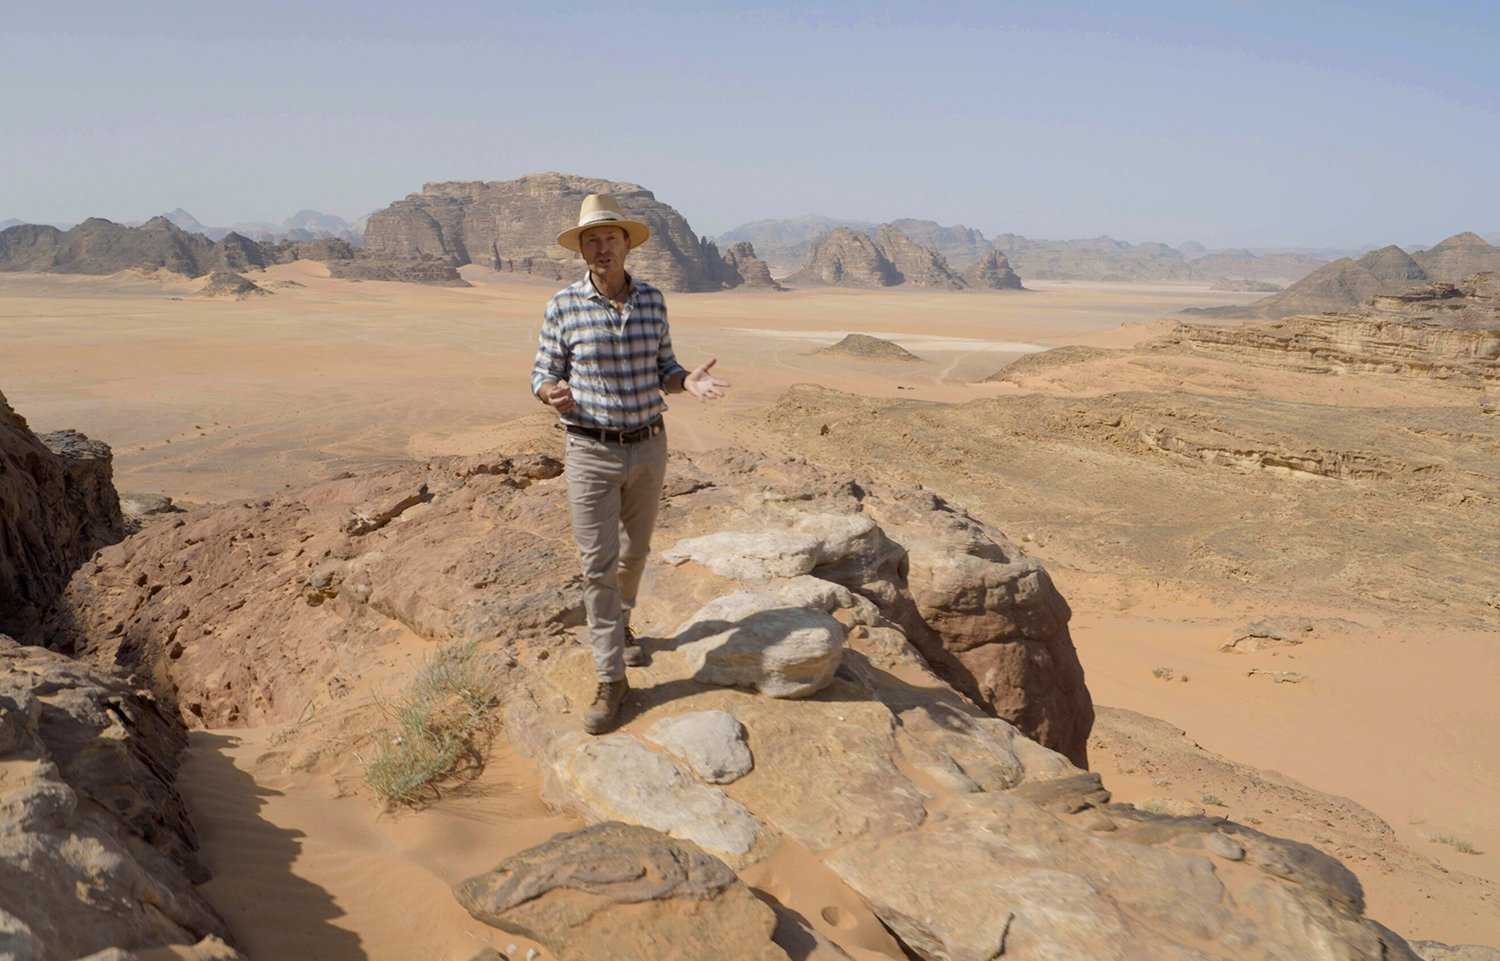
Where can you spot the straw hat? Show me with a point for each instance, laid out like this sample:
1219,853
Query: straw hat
600,209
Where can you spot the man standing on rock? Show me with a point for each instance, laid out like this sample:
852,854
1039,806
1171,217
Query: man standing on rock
603,362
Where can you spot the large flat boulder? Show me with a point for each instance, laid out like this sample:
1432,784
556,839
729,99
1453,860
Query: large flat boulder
621,892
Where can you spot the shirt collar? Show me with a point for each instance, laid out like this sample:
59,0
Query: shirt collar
595,293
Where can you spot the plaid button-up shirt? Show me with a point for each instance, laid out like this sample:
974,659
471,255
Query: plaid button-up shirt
616,361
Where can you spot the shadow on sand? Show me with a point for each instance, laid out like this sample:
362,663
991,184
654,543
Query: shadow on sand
272,913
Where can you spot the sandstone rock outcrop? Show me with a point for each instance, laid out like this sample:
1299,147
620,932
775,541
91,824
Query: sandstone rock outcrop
96,851
884,258
227,283
870,348
849,259
620,892
512,225
910,793
1449,331
992,272
961,246
917,265
57,506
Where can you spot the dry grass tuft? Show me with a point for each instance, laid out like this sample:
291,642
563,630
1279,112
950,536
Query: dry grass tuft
438,728
1458,844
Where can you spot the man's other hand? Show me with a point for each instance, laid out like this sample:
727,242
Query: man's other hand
560,396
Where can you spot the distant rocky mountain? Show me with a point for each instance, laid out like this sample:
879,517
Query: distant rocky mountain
1246,286
1274,268
99,246
1458,257
12,222
303,225
961,246
1346,283
846,258
1099,258
850,258
512,225
784,244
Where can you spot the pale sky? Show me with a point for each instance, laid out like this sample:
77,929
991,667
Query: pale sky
1251,124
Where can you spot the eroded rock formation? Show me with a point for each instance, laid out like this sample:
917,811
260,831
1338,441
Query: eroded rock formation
512,225
884,258
57,506
992,272
1450,331
747,269
96,851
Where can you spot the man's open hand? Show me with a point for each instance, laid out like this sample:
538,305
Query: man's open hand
703,385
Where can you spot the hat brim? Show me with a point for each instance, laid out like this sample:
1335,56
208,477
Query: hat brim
638,233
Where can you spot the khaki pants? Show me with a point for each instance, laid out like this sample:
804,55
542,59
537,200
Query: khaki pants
613,490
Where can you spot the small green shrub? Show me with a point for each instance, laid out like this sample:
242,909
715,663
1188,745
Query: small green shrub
1214,800
1163,673
439,726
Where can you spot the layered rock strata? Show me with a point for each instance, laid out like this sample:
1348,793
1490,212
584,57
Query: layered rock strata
1448,331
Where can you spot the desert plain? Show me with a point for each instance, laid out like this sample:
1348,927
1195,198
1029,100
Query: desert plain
1361,606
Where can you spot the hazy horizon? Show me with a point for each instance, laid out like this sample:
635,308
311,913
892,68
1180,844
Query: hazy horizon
1335,126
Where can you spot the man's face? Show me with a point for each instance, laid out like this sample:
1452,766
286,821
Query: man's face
604,248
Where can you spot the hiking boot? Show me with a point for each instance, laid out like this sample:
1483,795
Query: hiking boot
607,700
635,656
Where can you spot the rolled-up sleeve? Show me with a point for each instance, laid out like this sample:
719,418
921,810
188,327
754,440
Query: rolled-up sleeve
666,360
551,353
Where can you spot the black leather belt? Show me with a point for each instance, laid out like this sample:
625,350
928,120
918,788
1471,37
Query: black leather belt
619,436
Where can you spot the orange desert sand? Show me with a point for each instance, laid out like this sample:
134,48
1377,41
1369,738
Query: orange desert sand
209,400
